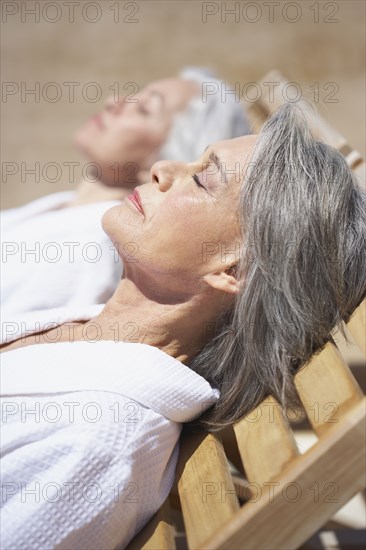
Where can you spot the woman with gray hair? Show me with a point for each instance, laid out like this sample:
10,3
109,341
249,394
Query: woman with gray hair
293,209
302,263
55,252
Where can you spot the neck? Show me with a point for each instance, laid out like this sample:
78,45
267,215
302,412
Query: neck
177,327
88,192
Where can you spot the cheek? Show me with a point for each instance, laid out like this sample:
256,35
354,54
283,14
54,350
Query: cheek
174,238
183,236
194,232
137,137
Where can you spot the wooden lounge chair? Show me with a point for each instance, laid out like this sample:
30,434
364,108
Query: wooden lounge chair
278,497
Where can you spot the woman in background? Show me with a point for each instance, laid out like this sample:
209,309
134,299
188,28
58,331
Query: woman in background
54,251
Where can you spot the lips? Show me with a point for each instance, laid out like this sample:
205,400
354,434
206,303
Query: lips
136,201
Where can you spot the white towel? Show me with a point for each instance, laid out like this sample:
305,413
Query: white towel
53,256
90,441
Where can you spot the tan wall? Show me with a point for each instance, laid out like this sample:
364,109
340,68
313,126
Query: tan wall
167,36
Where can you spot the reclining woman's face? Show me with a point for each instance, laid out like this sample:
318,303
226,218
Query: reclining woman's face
183,225
125,138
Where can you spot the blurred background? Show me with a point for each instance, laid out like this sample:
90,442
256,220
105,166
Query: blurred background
61,60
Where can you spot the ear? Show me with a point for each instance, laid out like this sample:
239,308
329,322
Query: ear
223,280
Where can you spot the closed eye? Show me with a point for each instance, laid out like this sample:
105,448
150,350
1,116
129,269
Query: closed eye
197,181
143,110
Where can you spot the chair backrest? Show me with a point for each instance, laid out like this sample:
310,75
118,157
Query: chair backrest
283,496
273,88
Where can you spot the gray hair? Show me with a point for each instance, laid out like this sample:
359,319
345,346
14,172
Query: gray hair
303,267
206,119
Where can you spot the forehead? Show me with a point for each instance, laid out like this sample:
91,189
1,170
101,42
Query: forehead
176,92
235,150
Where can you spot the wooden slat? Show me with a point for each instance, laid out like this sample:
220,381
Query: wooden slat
274,94
265,441
322,480
257,116
206,489
243,488
327,389
158,533
357,326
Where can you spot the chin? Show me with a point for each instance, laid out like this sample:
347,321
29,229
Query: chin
85,140
120,224
109,219
123,232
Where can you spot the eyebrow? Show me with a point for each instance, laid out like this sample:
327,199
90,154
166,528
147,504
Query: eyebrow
218,163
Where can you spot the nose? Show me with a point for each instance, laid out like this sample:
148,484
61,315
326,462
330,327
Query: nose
164,172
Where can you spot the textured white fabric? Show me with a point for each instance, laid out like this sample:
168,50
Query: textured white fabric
54,256
14,326
90,441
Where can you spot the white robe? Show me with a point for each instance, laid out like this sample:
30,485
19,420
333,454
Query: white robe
53,256
90,440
